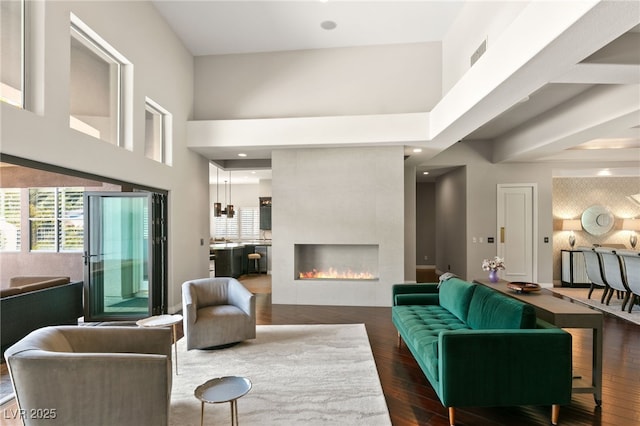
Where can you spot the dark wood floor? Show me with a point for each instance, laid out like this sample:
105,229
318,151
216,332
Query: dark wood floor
412,401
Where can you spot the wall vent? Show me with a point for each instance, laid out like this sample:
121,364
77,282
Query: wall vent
479,51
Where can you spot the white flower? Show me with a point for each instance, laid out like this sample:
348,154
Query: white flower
493,264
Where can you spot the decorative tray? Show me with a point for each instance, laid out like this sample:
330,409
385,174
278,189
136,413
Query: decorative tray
522,287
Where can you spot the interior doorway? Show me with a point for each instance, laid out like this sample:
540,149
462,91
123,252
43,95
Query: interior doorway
125,265
516,230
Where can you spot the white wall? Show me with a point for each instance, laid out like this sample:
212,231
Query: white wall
478,189
452,222
338,196
425,223
322,82
242,195
163,71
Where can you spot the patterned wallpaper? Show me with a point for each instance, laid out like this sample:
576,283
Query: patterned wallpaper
571,196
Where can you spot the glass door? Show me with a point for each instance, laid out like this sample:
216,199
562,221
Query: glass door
121,244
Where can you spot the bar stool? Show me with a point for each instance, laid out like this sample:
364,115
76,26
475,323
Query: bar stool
256,259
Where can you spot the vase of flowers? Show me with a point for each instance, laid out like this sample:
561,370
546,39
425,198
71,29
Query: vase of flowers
493,265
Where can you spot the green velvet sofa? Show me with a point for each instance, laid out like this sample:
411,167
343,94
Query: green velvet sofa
478,347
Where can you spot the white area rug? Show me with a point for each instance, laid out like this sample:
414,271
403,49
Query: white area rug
301,375
615,305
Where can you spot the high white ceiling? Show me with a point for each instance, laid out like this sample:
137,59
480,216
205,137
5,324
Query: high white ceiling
225,27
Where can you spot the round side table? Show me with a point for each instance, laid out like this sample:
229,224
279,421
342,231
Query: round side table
220,390
164,321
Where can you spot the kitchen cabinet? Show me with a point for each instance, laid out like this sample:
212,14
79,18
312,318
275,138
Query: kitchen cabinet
228,260
265,213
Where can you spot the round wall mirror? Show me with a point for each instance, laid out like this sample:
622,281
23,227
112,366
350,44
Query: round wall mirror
597,220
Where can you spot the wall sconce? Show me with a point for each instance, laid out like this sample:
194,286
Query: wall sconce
572,225
631,225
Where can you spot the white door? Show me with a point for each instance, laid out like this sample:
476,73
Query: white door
516,231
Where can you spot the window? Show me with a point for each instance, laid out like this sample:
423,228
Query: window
56,219
249,223
12,48
226,228
10,220
156,136
245,224
95,85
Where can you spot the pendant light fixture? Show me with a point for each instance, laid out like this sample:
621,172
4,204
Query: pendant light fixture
217,206
229,210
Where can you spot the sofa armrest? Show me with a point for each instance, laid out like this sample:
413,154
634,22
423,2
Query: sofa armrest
415,294
189,304
504,367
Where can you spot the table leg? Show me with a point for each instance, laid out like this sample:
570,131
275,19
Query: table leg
202,413
175,346
597,364
234,412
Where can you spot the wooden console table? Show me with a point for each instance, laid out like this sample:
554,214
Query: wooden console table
564,314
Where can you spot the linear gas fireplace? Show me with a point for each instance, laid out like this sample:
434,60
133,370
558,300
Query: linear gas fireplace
336,262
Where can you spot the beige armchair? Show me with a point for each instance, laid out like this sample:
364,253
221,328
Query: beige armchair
78,376
217,312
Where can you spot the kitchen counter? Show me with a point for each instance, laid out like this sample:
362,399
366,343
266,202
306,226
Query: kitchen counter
231,258
230,245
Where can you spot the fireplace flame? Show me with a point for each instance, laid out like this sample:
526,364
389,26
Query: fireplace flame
333,273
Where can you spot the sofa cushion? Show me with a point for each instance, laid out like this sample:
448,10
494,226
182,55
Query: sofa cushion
417,299
489,309
422,324
455,295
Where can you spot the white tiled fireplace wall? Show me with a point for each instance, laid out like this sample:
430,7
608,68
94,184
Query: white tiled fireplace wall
338,196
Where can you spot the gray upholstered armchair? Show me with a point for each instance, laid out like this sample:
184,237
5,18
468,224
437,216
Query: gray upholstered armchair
78,376
216,312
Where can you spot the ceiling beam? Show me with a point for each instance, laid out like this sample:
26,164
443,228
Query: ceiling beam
594,114
545,41
587,73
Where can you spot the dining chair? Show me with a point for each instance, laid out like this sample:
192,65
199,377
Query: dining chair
612,268
631,264
594,271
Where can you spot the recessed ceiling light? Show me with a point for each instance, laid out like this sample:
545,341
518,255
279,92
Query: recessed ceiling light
328,25
417,150
242,154
425,173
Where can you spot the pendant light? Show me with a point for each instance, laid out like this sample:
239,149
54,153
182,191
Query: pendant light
217,207
229,210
